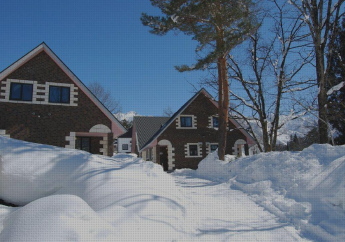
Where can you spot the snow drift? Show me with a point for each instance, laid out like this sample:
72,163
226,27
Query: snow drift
304,188
125,192
58,218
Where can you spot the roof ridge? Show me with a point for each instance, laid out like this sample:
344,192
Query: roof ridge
173,117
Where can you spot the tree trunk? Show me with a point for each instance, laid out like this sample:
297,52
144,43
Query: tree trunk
223,102
275,124
322,97
265,137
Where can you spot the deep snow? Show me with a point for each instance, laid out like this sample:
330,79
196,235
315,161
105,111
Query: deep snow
73,195
306,189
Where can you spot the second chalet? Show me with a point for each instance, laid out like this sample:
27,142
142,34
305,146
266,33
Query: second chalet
187,137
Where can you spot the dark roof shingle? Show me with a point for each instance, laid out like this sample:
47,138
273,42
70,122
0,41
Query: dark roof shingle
146,127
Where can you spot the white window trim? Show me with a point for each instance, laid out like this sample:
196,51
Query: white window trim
199,146
194,122
210,122
3,133
208,147
72,92
35,91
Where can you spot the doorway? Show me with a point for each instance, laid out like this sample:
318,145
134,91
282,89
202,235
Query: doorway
163,157
83,143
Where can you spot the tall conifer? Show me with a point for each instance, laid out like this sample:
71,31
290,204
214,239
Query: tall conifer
218,26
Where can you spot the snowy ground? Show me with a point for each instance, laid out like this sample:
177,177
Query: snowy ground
70,195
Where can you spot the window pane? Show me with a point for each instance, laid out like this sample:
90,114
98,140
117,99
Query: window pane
27,92
78,143
186,121
16,91
65,95
125,147
214,147
54,94
215,122
193,150
85,144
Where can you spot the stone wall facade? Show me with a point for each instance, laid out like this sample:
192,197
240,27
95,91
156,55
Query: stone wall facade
43,122
201,134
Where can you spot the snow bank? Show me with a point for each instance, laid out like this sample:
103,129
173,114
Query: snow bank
57,218
123,190
30,171
304,188
215,169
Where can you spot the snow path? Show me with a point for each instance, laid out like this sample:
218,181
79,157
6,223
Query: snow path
221,214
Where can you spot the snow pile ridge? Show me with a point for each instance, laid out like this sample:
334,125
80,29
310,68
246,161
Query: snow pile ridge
58,218
30,171
211,167
127,193
304,188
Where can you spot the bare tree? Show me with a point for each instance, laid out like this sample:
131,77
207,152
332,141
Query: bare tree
270,74
105,97
168,112
322,18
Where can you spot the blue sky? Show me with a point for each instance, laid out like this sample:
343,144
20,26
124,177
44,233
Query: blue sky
104,41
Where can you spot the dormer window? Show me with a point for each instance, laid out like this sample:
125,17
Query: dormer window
21,91
186,121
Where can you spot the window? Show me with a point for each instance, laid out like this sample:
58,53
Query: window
21,91
213,147
125,147
59,94
83,143
186,121
215,122
193,150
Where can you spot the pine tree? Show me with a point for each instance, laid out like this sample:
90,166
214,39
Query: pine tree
336,101
218,26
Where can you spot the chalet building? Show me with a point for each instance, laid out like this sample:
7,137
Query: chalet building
42,101
183,140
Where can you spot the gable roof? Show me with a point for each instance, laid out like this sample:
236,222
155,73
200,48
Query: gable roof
128,134
146,127
178,112
44,47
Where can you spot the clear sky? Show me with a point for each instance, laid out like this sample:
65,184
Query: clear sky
104,40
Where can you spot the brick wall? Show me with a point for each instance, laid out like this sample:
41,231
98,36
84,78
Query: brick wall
202,108
47,124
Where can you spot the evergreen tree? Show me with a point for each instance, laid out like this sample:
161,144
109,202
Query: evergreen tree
336,101
218,26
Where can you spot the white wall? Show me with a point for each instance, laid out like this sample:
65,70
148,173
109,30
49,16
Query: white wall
121,141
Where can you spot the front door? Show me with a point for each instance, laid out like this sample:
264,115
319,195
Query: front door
163,157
